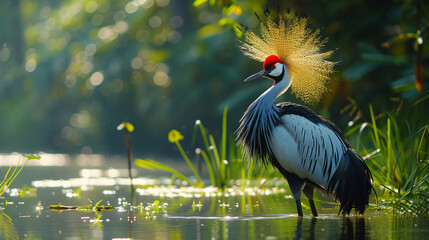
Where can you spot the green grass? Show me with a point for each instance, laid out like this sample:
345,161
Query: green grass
398,158
152,165
223,159
395,150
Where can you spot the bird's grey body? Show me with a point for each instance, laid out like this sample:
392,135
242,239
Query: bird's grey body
307,149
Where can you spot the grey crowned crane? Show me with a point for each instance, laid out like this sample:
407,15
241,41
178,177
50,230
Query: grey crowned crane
309,150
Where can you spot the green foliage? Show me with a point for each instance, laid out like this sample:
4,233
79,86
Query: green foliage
175,136
28,192
214,158
153,209
152,165
70,65
7,228
398,159
72,69
221,166
224,167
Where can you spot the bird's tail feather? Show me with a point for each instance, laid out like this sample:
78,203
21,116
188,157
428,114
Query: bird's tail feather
351,183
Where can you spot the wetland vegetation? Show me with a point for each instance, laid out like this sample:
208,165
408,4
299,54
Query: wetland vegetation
72,71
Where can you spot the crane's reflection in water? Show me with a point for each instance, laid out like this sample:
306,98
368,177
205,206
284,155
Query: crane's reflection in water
275,226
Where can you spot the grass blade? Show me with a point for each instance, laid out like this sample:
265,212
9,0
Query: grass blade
152,164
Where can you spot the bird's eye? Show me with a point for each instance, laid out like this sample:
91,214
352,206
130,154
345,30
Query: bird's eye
270,67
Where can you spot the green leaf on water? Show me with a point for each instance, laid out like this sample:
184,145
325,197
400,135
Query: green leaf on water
31,156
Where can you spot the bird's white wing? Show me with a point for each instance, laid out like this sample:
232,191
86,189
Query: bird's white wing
310,149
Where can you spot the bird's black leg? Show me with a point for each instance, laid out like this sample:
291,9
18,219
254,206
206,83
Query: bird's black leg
308,192
295,184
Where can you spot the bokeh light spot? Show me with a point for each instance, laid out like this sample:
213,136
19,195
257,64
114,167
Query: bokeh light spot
91,7
131,7
161,79
90,49
121,27
155,22
176,21
86,67
4,54
96,78
80,120
162,3
67,132
136,63
30,65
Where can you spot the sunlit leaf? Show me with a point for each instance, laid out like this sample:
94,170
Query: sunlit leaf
174,136
198,3
31,156
151,164
209,30
403,84
126,125
234,9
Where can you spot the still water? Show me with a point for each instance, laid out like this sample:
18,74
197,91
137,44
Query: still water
158,211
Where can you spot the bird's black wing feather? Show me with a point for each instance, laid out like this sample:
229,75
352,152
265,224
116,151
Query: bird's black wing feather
296,109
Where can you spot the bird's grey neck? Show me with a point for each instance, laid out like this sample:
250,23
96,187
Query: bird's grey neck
280,86
271,94
259,120
257,124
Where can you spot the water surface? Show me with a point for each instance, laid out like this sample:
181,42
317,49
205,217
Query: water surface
182,213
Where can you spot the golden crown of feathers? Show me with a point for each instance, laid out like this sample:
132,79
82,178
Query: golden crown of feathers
298,47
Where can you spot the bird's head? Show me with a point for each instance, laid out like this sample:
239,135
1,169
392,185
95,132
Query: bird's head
292,55
274,69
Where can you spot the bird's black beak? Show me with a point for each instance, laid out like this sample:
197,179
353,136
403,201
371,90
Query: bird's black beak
262,73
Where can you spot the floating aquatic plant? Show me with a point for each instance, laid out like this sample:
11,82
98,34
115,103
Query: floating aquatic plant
93,207
152,209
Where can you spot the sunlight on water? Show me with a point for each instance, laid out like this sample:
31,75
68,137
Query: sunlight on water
160,208
47,159
158,187
111,173
225,218
96,181
189,192
263,217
